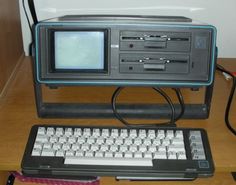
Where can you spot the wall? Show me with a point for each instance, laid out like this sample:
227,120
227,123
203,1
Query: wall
11,48
221,14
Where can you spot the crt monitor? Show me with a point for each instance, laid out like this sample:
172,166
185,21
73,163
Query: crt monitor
77,46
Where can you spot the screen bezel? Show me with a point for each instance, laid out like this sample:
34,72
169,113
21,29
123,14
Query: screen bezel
51,65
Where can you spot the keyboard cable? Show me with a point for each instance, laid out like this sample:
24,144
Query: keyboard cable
173,119
230,98
181,102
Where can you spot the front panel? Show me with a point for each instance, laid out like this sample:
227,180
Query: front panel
141,52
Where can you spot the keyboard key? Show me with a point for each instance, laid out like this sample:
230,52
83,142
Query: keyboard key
36,152
85,147
128,154
89,153
169,134
38,145
165,142
66,146
123,133
108,154
152,148
118,154
62,139
68,132
142,134
181,155
133,133
156,141
87,132
175,148
161,149
114,148
160,155
179,134
75,146
100,140
79,153
42,138
114,133
198,155
56,146
104,148
148,155
138,141
81,140
53,139
171,155
99,154
109,141
59,132
133,148
72,139
177,141
69,153
41,130
151,134
50,131
123,148
48,152
95,147
147,142
78,132
105,133
142,148
60,153
138,154
47,145
108,161
91,140
128,141
161,134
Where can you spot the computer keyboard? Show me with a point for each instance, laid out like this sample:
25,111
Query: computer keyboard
129,153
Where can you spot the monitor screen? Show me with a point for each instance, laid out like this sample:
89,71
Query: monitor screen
79,50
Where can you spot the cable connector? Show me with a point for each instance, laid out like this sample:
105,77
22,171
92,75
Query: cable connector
227,76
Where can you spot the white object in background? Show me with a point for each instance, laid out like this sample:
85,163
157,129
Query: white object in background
221,14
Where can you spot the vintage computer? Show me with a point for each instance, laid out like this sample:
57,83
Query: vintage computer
122,51
102,50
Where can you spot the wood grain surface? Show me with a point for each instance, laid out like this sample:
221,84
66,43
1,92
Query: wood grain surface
11,47
18,114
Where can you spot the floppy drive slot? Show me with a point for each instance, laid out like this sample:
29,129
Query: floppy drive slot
155,60
159,64
131,63
148,63
154,41
131,38
151,41
157,38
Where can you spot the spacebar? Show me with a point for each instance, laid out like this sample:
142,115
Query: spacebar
108,161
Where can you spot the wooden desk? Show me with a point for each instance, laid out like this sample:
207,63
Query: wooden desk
18,114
